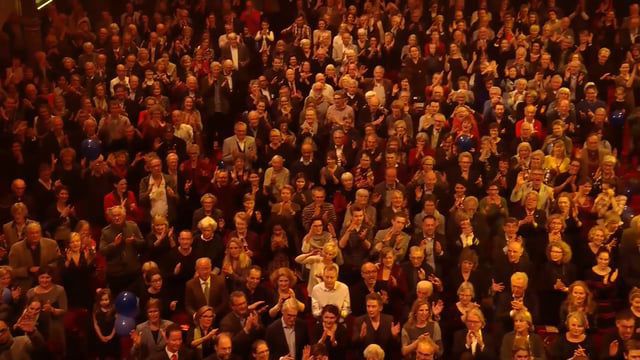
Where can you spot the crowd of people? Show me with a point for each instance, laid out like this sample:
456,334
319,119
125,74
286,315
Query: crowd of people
323,179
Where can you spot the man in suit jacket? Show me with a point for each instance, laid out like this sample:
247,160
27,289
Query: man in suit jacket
173,349
121,244
437,131
379,85
205,289
517,299
242,323
376,328
23,260
239,144
236,52
288,335
473,342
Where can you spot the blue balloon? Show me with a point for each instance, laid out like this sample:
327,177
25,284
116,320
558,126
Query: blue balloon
464,142
127,304
124,325
90,149
617,118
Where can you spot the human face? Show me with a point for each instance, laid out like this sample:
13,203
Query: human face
284,283
240,306
369,274
388,259
105,301
44,281
514,251
233,249
317,227
597,237
289,316
203,269
33,235
329,278
555,225
329,319
398,223
520,325
153,314
262,352
575,327
423,312
555,254
253,279
603,260
416,258
373,308
185,240
625,328
75,243
579,295
223,349
473,322
465,297
156,282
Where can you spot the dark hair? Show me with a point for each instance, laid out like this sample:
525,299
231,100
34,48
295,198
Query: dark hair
374,296
172,328
332,309
150,274
625,314
45,270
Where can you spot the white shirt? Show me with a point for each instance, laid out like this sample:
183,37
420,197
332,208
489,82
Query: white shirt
234,56
204,284
338,296
290,337
158,196
170,354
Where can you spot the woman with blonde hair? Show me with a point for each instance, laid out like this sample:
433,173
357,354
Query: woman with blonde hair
580,299
317,260
418,326
201,336
523,333
236,263
575,343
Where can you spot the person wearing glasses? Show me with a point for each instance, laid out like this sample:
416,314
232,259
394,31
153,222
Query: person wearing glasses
426,349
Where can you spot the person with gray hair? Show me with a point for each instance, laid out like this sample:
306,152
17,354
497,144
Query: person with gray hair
23,260
288,335
121,243
205,289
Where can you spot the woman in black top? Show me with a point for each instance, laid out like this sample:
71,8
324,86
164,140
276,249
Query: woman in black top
331,333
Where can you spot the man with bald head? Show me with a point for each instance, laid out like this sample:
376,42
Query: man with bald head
236,52
206,289
367,285
18,194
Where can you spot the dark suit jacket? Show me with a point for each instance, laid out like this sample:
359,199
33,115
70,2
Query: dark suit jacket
184,354
459,349
243,55
241,340
20,259
194,297
503,309
278,343
382,337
